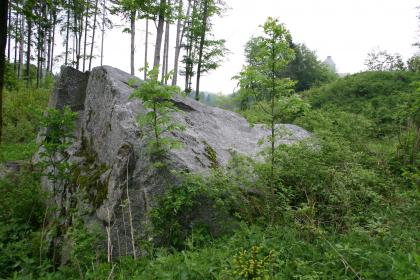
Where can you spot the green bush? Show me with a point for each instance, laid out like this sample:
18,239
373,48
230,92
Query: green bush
197,204
22,211
22,112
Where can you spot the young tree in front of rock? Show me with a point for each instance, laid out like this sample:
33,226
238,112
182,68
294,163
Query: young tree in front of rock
263,78
157,99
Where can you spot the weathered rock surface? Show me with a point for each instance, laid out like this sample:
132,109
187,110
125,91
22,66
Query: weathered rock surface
111,143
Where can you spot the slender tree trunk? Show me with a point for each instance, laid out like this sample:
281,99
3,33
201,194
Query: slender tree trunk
9,33
93,36
273,96
43,43
103,31
80,37
146,48
161,22
74,51
21,46
3,37
38,56
85,41
28,53
189,54
53,39
16,41
44,54
165,65
67,35
200,54
165,54
133,36
49,43
130,217
180,27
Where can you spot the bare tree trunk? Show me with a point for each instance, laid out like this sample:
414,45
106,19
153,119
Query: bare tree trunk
166,54
43,42
4,7
161,22
146,47
93,36
67,36
180,27
79,42
53,39
103,31
130,217
189,50
133,36
9,32
16,41
74,44
49,43
44,54
28,53
21,42
38,57
200,53
86,29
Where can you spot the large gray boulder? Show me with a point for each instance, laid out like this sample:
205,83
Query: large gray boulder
110,151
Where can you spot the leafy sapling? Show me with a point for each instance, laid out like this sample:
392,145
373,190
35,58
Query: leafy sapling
58,136
264,80
156,98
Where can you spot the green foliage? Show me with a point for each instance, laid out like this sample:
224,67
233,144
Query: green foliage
13,83
341,205
22,205
413,64
262,78
22,112
371,94
304,68
286,110
85,245
213,50
191,206
285,252
58,135
250,265
379,60
307,70
17,151
157,99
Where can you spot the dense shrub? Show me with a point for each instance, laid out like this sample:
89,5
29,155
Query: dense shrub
22,112
21,216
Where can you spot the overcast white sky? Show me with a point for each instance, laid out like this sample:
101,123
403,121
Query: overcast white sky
344,29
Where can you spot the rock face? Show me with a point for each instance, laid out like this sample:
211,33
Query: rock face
110,149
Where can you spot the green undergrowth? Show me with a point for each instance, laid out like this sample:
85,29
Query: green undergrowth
17,151
278,252
22,113
23,109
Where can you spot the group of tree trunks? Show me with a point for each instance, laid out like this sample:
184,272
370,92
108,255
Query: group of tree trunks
31,30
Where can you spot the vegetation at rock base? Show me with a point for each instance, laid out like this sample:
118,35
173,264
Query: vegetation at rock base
342,204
